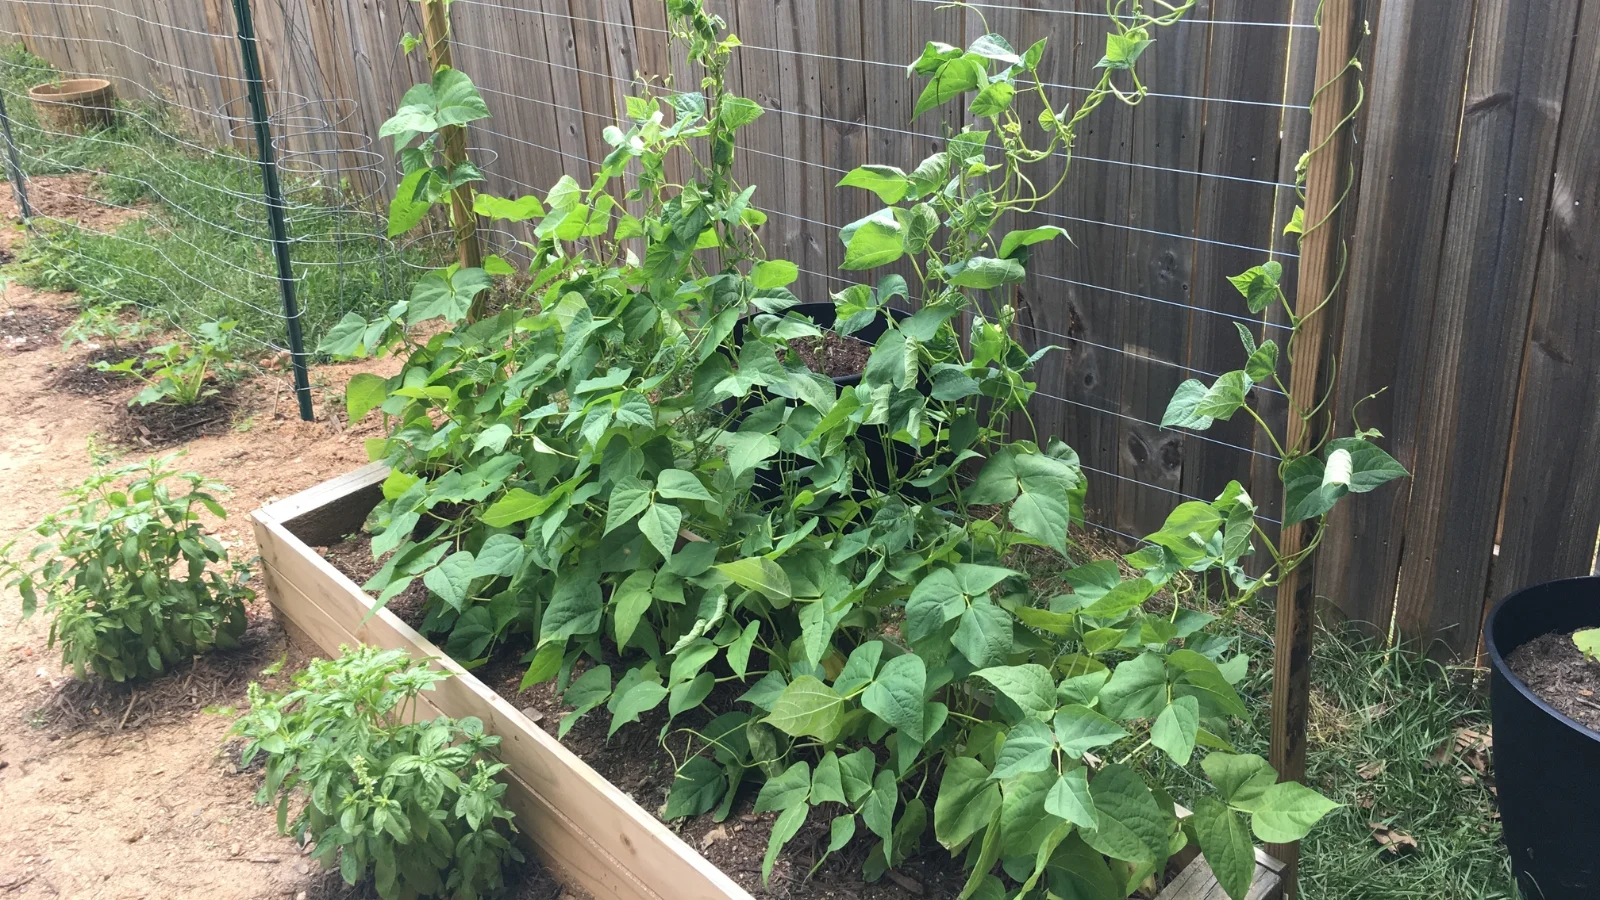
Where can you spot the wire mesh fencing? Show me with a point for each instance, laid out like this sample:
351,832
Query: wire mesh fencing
148,201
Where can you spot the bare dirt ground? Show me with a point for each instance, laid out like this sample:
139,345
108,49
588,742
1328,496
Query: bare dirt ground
117,793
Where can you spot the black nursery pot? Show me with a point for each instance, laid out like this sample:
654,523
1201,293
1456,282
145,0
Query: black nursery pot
876,444
1546,766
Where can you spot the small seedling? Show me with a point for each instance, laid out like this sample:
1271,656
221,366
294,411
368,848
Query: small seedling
107,324
1588,642
181,373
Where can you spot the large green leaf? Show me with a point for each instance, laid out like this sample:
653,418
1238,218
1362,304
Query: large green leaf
878,809
660,524
967,799
1286,811
1259,285
1016,240
517,506
575,607
951,79
639,699
1132,826
1077,872
1028,747
1225,841
1137,688
783,831
1240,779
696,788
1070,799
761,575
364,393
983,273
1029,686
790,788
984,635
876,240
1370,466
1080,729
1175,729
896,696
937,599
451,579
1183,409
809,708
888,182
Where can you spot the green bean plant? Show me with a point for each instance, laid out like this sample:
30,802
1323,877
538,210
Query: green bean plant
108,322
635,475
411,802
181,373
131,580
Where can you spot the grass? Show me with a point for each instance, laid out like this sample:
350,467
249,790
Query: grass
199,249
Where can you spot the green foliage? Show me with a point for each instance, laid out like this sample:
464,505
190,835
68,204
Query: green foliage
113,323
133,584
413,803
181,373
1588,641
635,468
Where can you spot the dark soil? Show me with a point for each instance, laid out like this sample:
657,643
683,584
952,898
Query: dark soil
834,355
213,680
164,424
25,328
1554,669
635,761
82,378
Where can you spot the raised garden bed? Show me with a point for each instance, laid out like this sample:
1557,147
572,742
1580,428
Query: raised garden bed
589,832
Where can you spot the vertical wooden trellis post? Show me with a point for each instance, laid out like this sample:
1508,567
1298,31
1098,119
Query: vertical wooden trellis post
1328,178
436,35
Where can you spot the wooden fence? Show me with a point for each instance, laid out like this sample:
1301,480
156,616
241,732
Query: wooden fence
1472,273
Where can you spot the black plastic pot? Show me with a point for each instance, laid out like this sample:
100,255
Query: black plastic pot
1546,766
769,482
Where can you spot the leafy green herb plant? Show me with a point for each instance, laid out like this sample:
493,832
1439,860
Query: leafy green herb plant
181,373
134,585
578,473
109,323
414,803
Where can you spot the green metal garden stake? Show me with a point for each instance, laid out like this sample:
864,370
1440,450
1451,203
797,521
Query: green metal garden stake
12,164
274,191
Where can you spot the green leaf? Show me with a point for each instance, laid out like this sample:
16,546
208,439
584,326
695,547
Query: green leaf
407,209
1587,641
860,668
995,47
967,800
1077,872
446,294
1370,466
1029,686
1123,50
1241,779
738,654
747,449
953,78
575,607
1226,844
1259,285
1045,516
984,635
878,809
737,112
1305,493
1175,729
761,575
1225,397
1137,688
1027,748
888,182
660,524
855,773
501,554
1198,676
840,831
1286,811
983,273
993,100
1080,729
896,696
521,209
516,506
1263,362
786,790
639,699
773,273
876,240
783,831
1070,799
364,393
809,708
629,498
1132,827
937,599
1016,240
586,692
826,783
629,602
452,578
696,788
1127,595
1182,410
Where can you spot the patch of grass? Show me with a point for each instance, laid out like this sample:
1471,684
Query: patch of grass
199,250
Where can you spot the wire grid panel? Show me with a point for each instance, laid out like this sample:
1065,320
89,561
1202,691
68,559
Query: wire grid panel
1165,200
164,209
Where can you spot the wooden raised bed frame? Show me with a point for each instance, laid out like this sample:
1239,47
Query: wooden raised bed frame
595,837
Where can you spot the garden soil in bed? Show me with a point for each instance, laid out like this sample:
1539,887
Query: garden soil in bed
634,760
82,378
1555,670
836,355
157,425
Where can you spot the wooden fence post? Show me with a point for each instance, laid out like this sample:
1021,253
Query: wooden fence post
1328,177
436,34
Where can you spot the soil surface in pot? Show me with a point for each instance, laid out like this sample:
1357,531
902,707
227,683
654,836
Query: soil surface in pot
834,355
1555,670
635,761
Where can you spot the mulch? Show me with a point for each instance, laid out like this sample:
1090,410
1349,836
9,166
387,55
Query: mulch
25,328
159,425
834,355
1553,668
82,378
